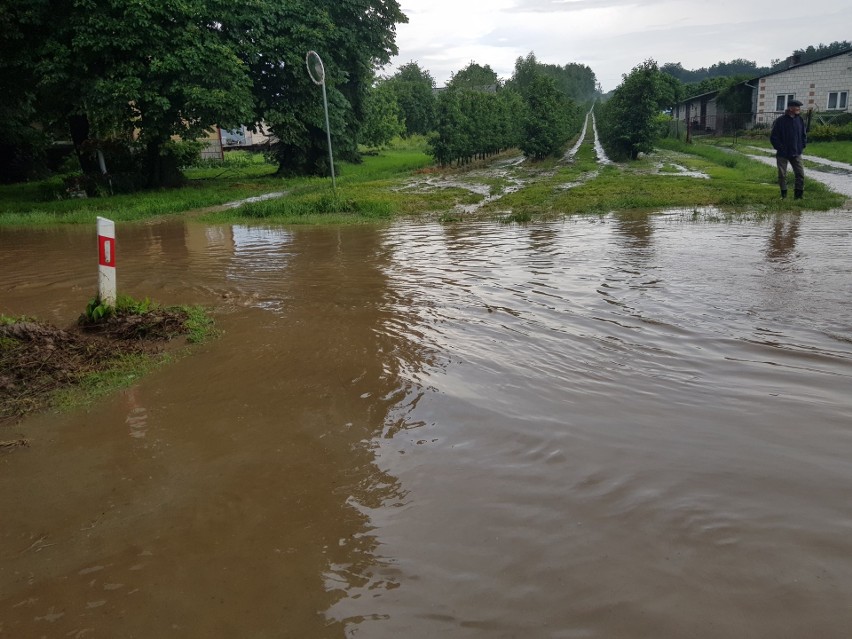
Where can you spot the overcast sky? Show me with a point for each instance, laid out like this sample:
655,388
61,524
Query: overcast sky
611,36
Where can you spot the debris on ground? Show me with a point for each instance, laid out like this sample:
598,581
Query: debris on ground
37,359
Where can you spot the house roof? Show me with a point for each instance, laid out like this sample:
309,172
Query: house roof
803,64
701,96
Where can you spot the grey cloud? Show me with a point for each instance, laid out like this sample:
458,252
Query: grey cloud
563,6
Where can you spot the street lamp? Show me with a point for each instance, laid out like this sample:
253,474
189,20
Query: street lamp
317,72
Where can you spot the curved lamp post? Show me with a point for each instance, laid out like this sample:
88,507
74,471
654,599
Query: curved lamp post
317,72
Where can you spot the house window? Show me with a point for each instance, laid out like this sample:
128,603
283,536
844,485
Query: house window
837,100
781,101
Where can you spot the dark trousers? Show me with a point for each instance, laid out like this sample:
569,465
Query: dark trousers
798,171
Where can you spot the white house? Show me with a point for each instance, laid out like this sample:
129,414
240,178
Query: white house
822,85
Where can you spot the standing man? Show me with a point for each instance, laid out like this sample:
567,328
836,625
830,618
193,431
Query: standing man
789,140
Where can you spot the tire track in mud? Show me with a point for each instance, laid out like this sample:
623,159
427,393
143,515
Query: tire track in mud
507,170
602,158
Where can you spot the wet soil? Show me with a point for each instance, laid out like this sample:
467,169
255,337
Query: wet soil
38,359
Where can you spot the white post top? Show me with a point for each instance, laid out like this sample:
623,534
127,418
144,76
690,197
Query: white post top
106,227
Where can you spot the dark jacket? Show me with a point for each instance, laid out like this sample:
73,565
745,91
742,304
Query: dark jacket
788,135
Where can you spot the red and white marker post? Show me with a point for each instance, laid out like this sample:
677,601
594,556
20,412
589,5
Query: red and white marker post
106,261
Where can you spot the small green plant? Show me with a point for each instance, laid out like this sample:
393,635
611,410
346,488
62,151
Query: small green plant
97,310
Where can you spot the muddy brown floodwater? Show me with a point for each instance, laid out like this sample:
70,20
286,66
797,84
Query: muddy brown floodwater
617,427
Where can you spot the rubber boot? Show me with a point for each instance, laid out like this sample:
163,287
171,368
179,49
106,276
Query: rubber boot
798,193
783,194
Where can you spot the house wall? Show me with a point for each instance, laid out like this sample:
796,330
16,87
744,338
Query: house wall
212,145
809,83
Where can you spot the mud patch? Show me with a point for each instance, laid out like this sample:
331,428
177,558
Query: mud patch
37,359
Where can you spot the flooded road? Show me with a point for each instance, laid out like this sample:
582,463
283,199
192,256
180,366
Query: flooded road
628,426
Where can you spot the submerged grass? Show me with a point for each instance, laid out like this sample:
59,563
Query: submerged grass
123,371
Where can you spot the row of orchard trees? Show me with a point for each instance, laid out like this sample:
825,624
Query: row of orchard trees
474,123
476,115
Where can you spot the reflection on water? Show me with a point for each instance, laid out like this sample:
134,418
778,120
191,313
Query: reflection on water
785,232
602,427
636,228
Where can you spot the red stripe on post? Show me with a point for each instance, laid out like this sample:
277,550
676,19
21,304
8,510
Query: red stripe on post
106,251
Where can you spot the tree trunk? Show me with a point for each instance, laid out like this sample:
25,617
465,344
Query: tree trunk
78,127
162,170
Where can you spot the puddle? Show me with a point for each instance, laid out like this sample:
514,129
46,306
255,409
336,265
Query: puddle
679,171
599,150
503,170
233,205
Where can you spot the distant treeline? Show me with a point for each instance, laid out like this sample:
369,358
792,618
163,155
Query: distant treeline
724,76
741,66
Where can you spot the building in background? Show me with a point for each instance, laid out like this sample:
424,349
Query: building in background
821,85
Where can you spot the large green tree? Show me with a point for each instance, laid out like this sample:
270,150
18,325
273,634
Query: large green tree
140,72
575,81
474,76
353,38
382,117
472,123
628,120
19,140
414,89
143,72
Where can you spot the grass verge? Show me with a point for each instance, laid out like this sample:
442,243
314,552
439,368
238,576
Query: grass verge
401,181
35,204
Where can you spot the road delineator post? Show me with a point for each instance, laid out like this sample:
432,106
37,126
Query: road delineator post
106,261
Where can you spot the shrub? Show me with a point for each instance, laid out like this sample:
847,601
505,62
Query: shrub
830,132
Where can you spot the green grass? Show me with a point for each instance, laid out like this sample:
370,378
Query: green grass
365,192
126,369
736,184
24,204
199,324
837,151
123,372
211,185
